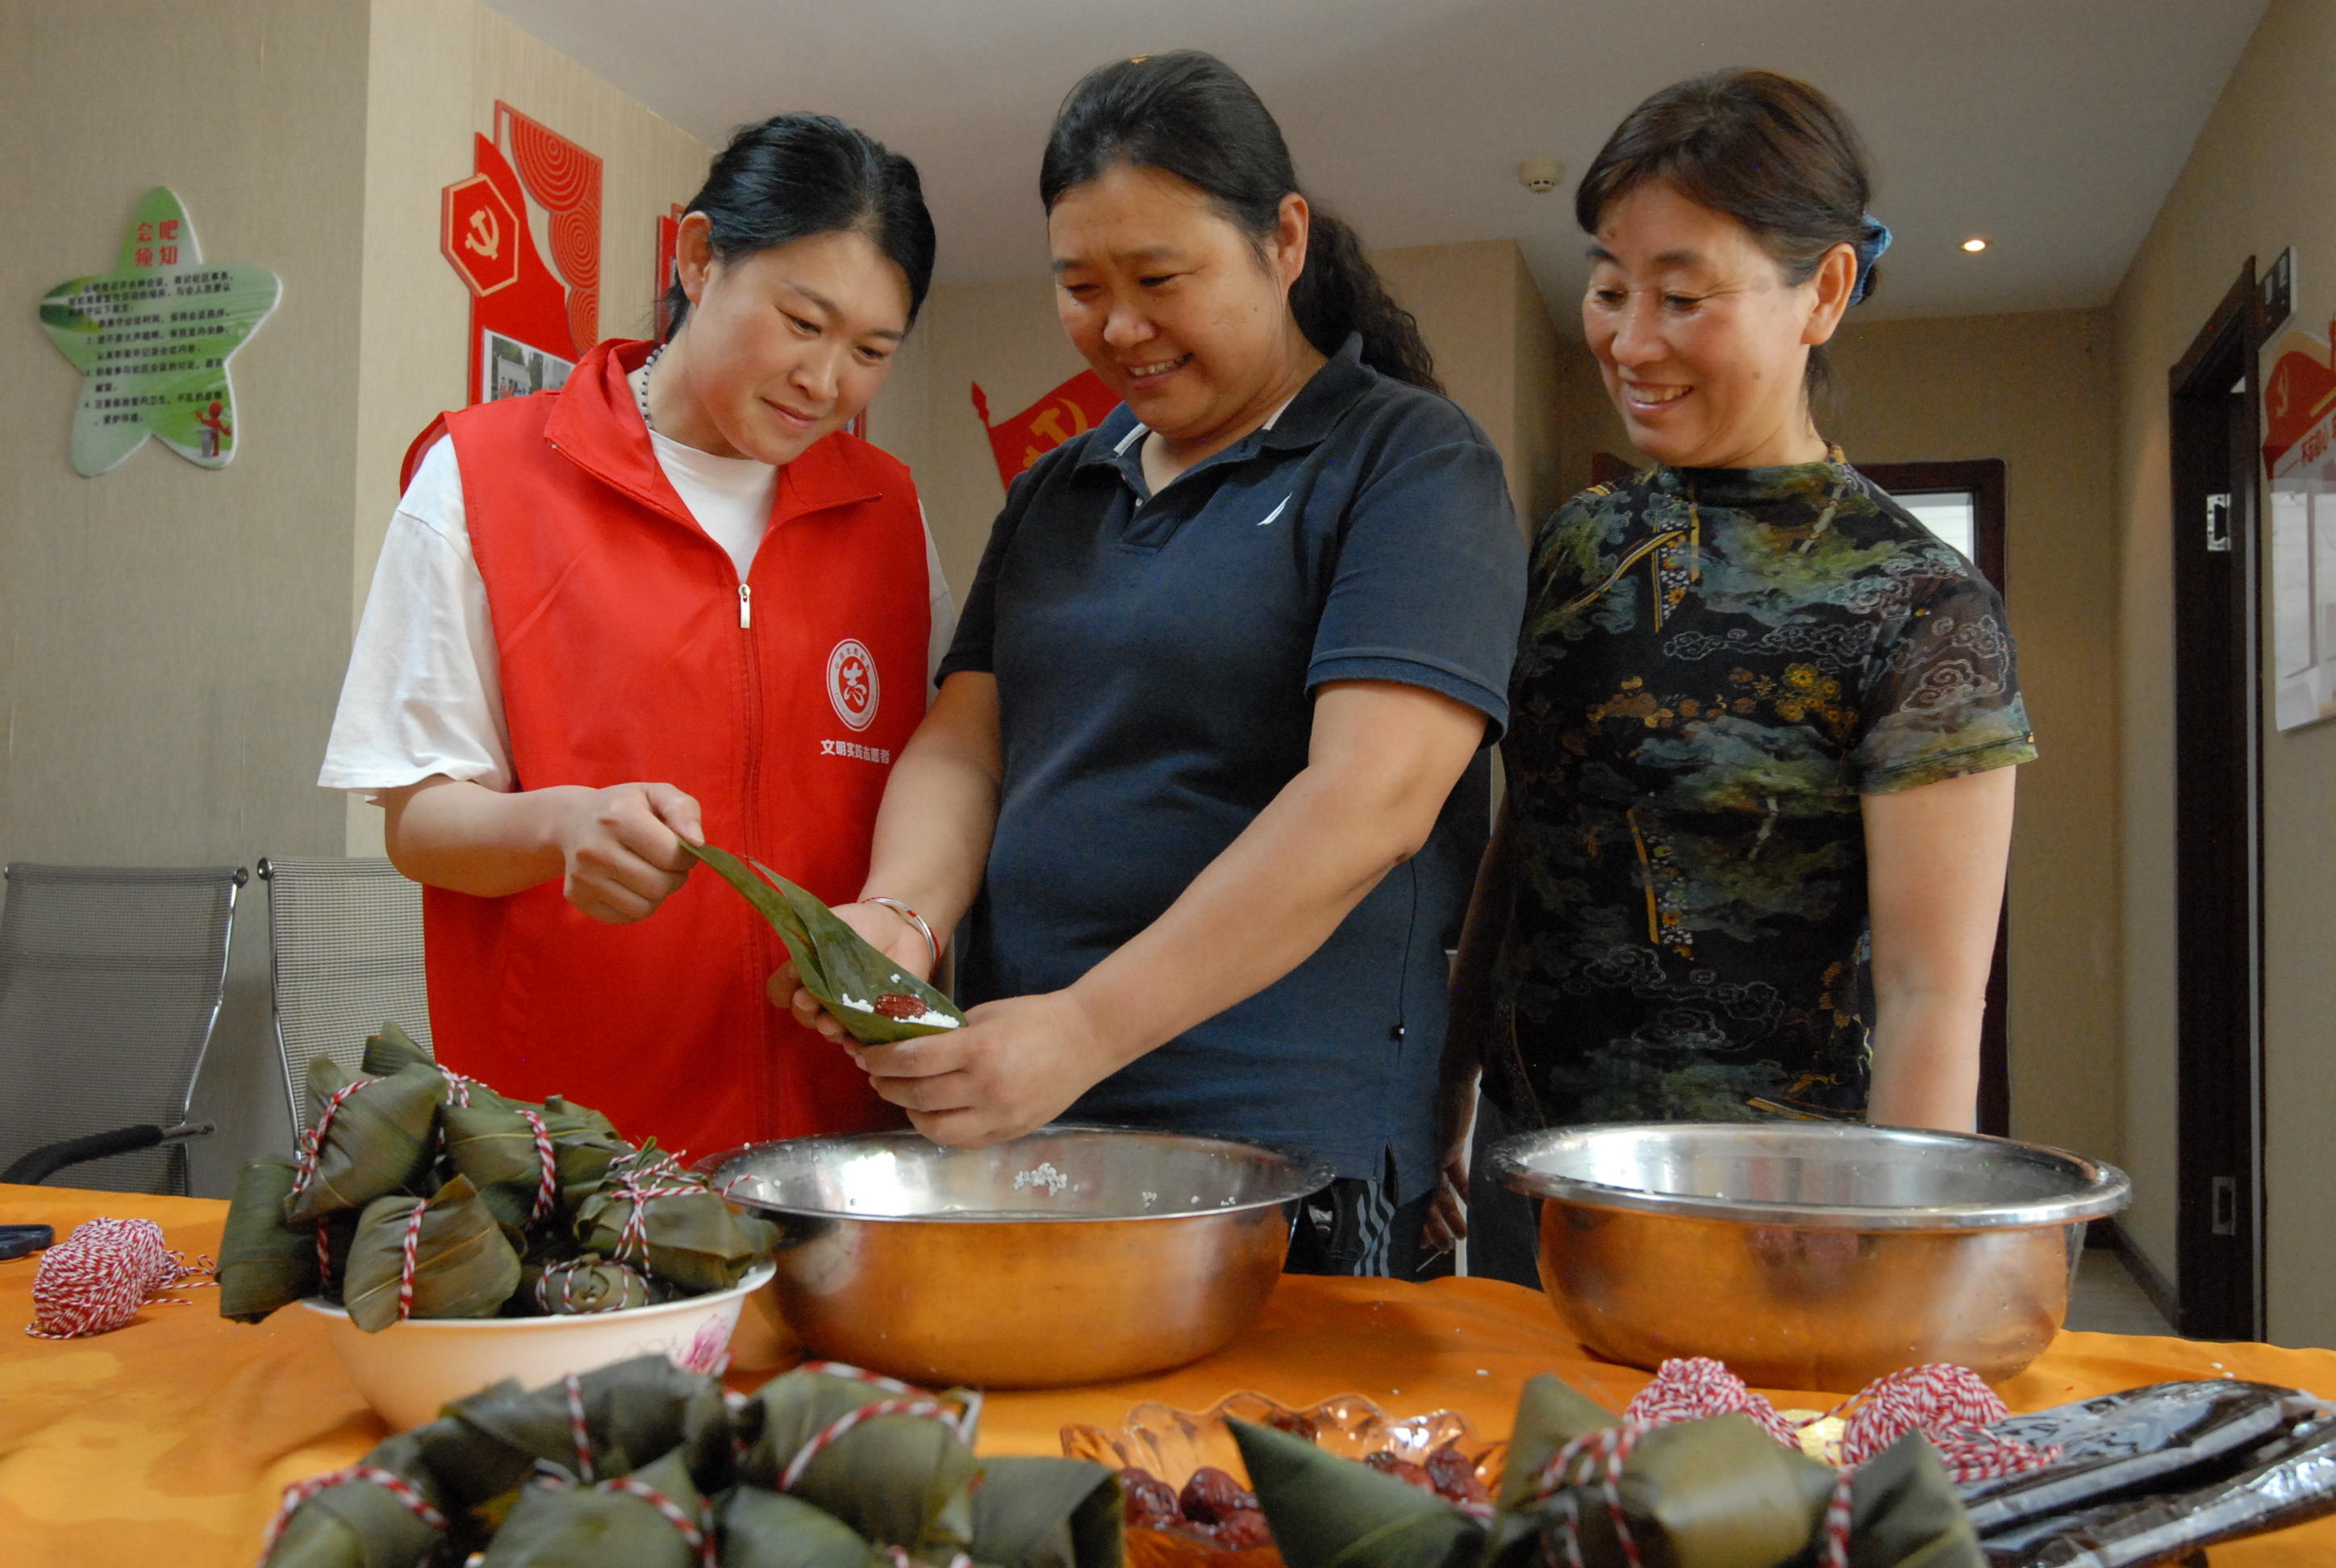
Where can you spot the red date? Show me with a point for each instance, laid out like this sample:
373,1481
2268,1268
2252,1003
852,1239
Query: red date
1150,1504
1453,1476
1211,1493
900,1005
1242,1529
1403,1470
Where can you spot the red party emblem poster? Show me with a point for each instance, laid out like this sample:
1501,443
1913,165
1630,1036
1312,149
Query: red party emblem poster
532,193
1078,404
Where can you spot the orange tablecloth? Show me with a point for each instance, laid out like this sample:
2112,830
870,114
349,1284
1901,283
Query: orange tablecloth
170,1440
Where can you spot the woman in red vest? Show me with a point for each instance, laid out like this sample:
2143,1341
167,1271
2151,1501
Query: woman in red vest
674,599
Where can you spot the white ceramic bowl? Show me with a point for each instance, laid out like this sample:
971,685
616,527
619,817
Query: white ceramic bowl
410,1370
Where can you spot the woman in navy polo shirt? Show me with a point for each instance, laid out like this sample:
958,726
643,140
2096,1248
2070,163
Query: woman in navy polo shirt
1193,766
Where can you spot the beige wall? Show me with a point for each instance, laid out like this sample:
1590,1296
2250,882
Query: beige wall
1475,304
2035,391
436,69
2258,181
172,639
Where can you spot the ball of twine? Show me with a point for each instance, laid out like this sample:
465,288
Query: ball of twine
98,1278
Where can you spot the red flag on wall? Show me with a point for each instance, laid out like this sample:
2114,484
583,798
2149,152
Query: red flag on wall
1078,404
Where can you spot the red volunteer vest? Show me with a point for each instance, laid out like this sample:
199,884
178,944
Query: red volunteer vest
631,652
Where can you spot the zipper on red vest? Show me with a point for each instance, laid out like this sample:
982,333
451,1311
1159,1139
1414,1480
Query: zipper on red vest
745,608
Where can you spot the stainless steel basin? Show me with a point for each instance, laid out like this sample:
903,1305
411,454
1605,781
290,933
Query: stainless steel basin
1074,1255
1808,1255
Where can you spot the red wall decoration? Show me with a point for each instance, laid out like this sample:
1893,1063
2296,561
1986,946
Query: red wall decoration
668,245
530,319
2297,395
1078,404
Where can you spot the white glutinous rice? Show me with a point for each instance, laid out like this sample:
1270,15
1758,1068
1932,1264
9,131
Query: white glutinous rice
1045,1175
847,999
932,1020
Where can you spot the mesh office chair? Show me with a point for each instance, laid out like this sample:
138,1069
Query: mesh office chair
110,986
346,939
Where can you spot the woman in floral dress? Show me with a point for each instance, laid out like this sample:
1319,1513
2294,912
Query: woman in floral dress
1759,773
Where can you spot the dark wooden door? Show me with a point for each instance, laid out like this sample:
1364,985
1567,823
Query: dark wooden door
2217,745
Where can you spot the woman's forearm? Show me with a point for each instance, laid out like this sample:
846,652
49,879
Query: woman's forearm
464,837
941,807
1383,761
1925,1061
1481,936
1935,861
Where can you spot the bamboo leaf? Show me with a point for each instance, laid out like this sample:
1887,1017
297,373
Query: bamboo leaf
393,1050
265,1260
764,1529
1331,1512
1045,1512
852,979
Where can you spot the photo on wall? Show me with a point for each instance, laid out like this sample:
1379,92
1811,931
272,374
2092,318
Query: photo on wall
509,368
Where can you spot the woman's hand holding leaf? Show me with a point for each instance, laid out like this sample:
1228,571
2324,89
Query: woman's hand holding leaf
622,848
885,930
1016,1064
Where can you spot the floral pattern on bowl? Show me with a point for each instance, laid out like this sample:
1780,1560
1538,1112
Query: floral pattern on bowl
1172,1443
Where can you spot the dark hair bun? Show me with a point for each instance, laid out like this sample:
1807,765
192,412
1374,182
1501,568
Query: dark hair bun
794,176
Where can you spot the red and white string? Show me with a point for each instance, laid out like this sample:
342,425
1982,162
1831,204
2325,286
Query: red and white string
966,1422
98,1278
389,1481
846,1423
636,1183
1950,1404
547,1191
406,1258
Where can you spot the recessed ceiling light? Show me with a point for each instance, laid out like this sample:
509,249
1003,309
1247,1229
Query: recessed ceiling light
1974,245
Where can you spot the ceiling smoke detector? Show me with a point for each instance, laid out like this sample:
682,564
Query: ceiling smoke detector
1541,175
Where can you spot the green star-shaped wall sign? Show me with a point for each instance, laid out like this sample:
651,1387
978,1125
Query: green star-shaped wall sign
151,340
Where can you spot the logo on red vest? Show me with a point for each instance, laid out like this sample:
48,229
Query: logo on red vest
852,683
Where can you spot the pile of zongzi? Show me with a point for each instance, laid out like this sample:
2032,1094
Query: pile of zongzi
641,1464
1579,1487
420,1193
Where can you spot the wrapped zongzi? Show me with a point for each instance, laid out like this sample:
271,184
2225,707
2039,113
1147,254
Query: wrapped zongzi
462,1265
265,1260
652,1518
372,1136
651,1215
901,1479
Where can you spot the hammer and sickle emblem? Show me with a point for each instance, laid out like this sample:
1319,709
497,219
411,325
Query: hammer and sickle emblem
1049,424
2279,393
486,236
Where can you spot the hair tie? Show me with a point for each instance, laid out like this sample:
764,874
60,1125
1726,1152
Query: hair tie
1873,240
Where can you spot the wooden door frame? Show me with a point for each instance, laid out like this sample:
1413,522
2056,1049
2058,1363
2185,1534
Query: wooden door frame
2218,1006
1984,480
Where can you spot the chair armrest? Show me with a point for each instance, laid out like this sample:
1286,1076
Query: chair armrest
32,1169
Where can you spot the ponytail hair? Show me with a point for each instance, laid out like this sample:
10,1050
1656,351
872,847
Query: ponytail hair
1189,114
796,175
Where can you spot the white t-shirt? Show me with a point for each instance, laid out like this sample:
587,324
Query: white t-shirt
424,692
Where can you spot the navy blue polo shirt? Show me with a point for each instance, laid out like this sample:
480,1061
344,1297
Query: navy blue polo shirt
1157,658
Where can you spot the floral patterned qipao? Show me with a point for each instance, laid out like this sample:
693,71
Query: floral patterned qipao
1714,665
